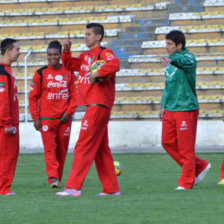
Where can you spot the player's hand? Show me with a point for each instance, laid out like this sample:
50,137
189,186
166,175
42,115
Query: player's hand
94,78
67,43
164,61
161,113
10,131
64,117
37,125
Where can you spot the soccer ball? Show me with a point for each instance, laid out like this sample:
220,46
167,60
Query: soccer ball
118,168
96,66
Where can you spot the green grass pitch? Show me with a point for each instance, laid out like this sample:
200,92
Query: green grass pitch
148,196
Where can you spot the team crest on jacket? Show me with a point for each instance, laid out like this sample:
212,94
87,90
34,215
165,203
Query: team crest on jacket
109,56
58,77
45,128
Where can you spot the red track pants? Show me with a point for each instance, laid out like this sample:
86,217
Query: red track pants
55,136
9,151
222,169
93,145
178,139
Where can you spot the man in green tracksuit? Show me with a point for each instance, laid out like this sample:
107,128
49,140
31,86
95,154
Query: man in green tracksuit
179,111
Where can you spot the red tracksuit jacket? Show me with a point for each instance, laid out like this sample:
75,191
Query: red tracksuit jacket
9,104
56,90
102,92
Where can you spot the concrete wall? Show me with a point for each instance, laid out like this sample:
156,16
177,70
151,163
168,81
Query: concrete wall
129,134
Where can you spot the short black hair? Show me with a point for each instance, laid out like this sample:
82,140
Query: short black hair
97,29
55,44
7,44
177,37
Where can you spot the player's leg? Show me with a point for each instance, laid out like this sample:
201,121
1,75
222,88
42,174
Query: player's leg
49,138
64,131
186,133
221,182
200,165
9,151
89,141
169,136
222,169
105,166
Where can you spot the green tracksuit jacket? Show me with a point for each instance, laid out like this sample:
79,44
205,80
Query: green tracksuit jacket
179,93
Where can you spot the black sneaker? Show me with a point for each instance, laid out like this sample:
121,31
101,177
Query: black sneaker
54,183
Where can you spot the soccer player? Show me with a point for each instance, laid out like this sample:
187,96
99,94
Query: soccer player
97,92
52,101
179,111
221,182
9,116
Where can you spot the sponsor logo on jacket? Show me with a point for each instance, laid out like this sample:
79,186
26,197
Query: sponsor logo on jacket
50,76
62,95
53,84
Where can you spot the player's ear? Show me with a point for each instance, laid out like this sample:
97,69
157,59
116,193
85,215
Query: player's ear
98,37
179,47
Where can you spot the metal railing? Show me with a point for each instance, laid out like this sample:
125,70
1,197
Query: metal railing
26,84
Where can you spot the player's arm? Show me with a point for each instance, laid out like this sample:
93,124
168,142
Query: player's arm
163,105
183,61
34,96
4,105
73,99
69,62
112,64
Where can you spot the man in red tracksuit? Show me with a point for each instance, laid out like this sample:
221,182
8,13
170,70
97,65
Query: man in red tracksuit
9,116
52,101
97,92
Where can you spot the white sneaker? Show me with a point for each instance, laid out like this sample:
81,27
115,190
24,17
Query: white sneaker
10,193
202,175
69,192
179,188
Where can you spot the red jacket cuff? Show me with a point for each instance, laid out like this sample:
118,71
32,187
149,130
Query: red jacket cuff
7,126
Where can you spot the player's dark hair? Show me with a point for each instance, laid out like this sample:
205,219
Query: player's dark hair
97,29
177,37
7,44
55,44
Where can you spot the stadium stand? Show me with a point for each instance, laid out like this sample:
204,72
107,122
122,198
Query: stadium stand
135,31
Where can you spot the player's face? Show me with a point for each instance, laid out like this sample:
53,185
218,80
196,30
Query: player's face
53,57
171,47
14,52
91,39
